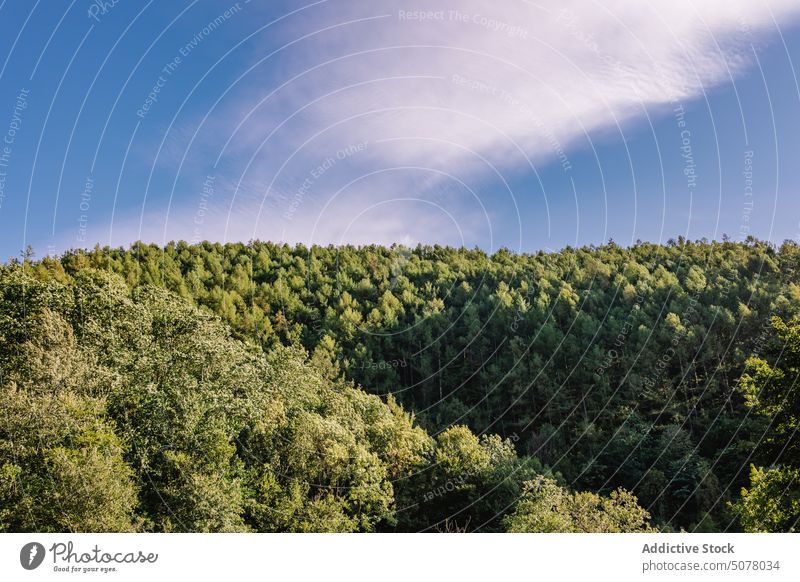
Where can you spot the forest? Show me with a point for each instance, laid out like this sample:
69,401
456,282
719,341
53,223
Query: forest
277,388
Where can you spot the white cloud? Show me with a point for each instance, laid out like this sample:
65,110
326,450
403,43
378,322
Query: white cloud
483,74
468,89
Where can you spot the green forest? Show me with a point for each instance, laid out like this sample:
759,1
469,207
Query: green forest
275,388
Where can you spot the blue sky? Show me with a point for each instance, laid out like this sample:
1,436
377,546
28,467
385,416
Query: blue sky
527,125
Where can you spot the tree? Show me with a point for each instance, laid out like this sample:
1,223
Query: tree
772,502
466,483
548,508
62,466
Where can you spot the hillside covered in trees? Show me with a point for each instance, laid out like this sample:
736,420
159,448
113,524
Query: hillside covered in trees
267,387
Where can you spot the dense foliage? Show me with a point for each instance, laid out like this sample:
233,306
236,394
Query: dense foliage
131,410
772,502
546,507
590,369
125,410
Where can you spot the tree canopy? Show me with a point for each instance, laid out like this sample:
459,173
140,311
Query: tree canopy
285,388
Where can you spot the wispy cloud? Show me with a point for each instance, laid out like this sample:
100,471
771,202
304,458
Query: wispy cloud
378,121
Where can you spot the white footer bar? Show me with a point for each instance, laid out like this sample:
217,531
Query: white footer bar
424,557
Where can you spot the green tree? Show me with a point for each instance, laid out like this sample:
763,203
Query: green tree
772,501
548,508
